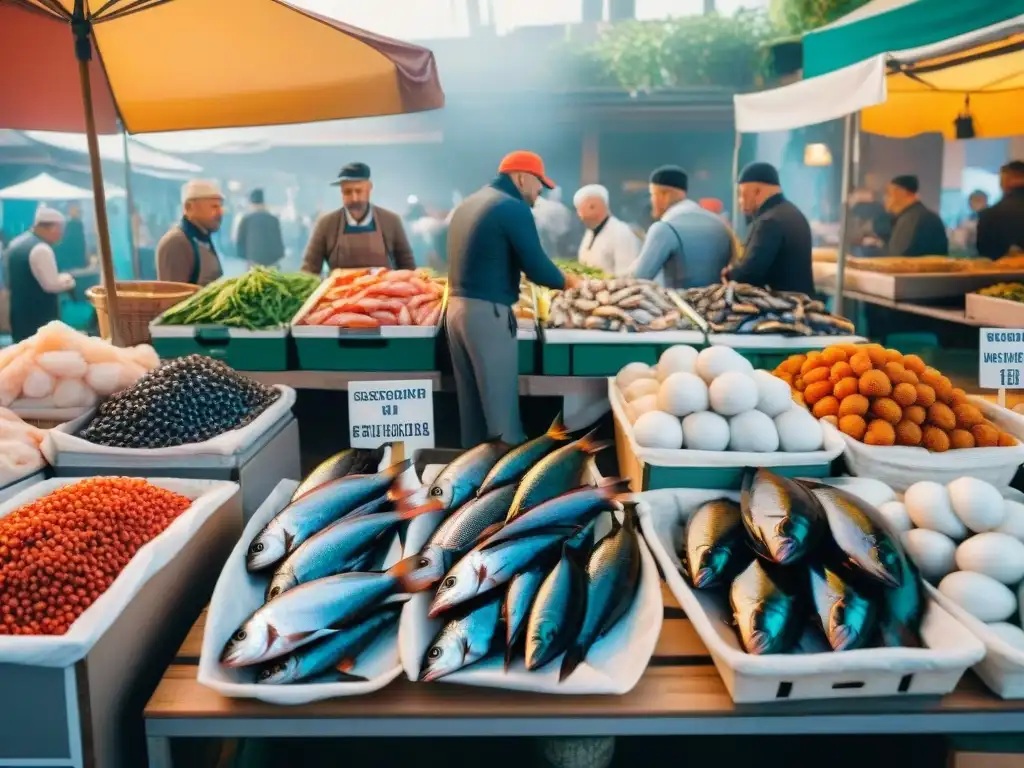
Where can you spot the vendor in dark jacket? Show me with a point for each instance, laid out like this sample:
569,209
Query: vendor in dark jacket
493,238
777,253
1001,227
916,230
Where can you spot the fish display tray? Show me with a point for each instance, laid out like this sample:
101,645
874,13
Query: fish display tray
12,485
575,352
242,349
78,696
994,311
901,466
869,672
918,286
653,468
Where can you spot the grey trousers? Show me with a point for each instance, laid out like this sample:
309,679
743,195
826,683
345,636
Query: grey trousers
485,356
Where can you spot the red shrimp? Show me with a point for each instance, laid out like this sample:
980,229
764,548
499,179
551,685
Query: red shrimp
317,317
396,290
404,318
353,320
385,318
419,301
434,316
398,274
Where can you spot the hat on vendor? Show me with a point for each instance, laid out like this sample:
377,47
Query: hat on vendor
908,182
759,173
671,176
200,189
352,172
522,161
46,216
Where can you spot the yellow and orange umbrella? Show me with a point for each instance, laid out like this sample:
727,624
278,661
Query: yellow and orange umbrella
95,66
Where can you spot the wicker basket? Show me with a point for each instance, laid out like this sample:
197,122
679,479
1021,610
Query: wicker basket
140,302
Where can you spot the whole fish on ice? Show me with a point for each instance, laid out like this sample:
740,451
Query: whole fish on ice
517,462
351,461
783,518
463,641
715,544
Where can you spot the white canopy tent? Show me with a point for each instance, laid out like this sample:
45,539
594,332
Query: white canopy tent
46,188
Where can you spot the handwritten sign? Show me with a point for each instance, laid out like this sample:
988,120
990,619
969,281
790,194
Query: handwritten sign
1000,358
381,412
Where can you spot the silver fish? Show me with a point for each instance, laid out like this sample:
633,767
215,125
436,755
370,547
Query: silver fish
783,518
351,461
460,480
846,616
573,509
462,641
768,612
715,544
522,591
517,462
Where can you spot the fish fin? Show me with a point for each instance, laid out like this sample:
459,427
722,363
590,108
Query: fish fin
588,443
396,469
350,678
489,531
289,539
345,665
572,659
298,637
557,430
405,571
407,511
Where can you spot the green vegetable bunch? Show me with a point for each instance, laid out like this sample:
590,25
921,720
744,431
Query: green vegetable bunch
262,298
575,268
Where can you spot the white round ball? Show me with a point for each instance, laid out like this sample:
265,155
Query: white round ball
732,393
1010,634
640,406
1013,519
983,597
682,394
978,505
997,555
895,514
753,431
641,388
631,372
933,553
773,394
714,361
706,431
929,506
677,359
799,431
658,430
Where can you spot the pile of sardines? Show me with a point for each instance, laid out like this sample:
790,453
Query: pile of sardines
741,308
807,568
620,304
515,563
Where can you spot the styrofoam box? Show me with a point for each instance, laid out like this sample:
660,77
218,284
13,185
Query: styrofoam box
754,341
12,486
951,647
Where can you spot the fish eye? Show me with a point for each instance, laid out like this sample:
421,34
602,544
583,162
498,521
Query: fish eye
240,635
434,653
436,491
275,591
448,583
257,547
265,673
424,562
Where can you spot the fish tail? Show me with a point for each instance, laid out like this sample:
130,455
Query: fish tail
617,488
572,659
405,573
557,430
407,510
589,444
396,469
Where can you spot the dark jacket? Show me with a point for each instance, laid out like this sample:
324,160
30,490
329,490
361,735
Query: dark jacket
918,231
325,237
31,306
493,238
1002,226
777,253
259,238
71,251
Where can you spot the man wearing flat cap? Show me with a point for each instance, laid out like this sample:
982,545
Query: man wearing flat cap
30,273
186,254
359,234
686,246
916,230
777,253
609,243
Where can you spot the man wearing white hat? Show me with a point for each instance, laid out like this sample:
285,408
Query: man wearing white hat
30,272
186,254
609,243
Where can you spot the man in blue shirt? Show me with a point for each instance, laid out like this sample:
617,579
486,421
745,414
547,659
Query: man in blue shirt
493,238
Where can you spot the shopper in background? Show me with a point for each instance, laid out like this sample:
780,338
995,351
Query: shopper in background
609,244
554,222
777,253
687,246
31,275
186,254
259,240
1001,227
71,252
916,230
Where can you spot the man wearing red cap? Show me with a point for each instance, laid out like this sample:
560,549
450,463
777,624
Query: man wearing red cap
493,238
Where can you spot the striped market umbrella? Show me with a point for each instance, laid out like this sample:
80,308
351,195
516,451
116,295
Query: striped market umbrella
100,66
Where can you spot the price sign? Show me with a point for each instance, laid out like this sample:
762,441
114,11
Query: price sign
1001,358
381,412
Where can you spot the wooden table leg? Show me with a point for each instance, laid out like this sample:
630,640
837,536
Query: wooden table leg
159,748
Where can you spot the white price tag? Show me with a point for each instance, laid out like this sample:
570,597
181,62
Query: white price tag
382,412
1000,358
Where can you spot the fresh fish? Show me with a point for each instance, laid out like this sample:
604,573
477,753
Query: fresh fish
558,472
901,610
782,517
337,652
309,612
767,609
812,640
486,567
745,309
630,302
615,312
522,592
642,316
586,305
625,294
572,510
351,461
596,323
613,573
314,511
462,641
868,546
514,464
603,296
460,480
846,616
331,676
715,544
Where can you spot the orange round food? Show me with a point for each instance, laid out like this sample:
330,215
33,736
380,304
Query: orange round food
849,349
814,392
934,439
894,371
940,415
1006,440
908,433
909,376
832,355
785,376
985,435
860,363
875,384
894,355
880,433
813,361
854,405
959,397
944,390
885,408
925,395
798,383
914,363
876,352
840,371
904,394
967,416
853,425
798,398
827,406
834,421
845,388
915,413
930,375
792,364
961,438
815,375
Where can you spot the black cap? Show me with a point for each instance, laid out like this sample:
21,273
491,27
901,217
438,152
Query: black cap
671,176
353,172
759,173
256,197
1015,167
906,181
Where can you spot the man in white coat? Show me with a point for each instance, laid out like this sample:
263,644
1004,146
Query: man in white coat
609,244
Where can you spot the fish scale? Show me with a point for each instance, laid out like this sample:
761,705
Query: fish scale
461,479
768,614
846,616
715,543
783,518
517,462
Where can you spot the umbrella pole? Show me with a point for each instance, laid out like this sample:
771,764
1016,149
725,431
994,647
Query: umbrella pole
851,157
130,203
734,205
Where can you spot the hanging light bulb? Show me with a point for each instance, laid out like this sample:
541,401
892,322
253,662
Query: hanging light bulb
964,122
817,155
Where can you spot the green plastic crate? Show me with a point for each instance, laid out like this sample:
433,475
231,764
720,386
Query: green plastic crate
727,478
560,358
527,356
242,350
363,353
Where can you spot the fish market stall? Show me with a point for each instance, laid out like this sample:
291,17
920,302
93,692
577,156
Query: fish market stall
997,306
526,310
74,666
21,462
193,417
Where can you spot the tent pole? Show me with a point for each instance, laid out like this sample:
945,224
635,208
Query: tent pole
734,205
130,204
850,163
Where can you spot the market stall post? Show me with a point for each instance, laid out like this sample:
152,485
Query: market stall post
851,172
130,206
